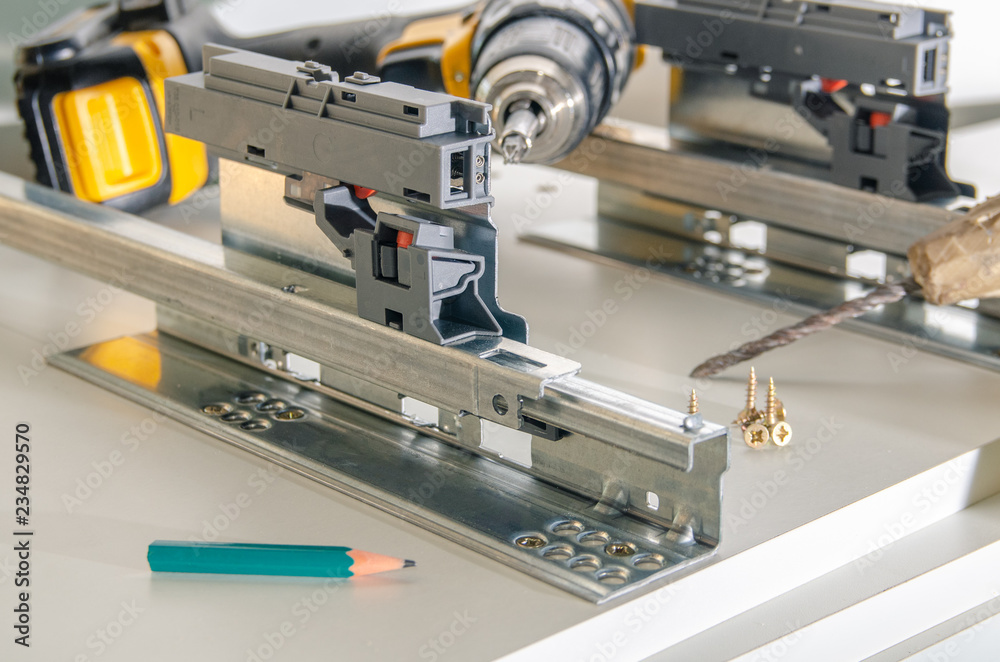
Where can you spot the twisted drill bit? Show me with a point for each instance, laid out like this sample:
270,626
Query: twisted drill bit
880,296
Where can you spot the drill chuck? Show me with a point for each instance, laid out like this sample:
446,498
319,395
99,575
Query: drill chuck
551,73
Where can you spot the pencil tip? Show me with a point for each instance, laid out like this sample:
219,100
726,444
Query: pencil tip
409,564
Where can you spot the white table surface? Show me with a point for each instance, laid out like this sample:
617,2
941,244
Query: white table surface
457,605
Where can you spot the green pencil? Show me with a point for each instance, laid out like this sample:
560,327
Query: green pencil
261,559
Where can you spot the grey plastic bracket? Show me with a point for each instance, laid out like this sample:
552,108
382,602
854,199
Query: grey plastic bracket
421,286
297,117
430,273
870,77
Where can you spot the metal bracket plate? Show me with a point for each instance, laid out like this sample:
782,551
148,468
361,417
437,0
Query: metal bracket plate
547,532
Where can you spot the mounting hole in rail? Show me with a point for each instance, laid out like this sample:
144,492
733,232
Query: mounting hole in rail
567,527
558,552
500,405
594,538
256,425
251,397
584,564
648,562
612,576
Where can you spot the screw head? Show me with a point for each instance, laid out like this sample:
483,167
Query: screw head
529,542
781,434
292,414
217,409
693,422
756,435
619,549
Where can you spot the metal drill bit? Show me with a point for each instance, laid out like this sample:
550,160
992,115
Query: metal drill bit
520,128
880,296
514,147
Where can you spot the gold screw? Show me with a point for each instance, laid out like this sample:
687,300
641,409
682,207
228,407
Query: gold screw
292,414
620,549
217,409
529,542
771,412
780,431
756,435
693,420
750,414
781,434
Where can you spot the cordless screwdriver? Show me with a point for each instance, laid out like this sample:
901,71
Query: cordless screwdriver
90,87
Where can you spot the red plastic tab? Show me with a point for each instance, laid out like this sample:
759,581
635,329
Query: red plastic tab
879,120
831,85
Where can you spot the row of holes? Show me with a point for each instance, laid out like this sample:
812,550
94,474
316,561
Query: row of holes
590,562
263,403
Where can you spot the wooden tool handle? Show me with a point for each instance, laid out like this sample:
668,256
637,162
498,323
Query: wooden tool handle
961,260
